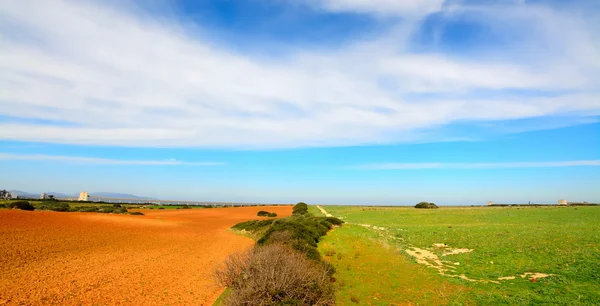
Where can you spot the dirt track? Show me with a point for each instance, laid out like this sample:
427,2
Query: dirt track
163,258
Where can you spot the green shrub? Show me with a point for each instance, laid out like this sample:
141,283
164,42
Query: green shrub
253,225
86,209
120,210
60,206
54,206
334,220
300,209
186,207
22,205
106,209
262,213
136,213
426,205
161,208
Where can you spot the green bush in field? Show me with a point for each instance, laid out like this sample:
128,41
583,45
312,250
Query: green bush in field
120,210
300,209
253,225
262,213
86,209
136,213
426,205
22,205
334,220
54,206
106,209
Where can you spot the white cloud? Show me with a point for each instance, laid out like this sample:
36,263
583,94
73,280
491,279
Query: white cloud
102,161
381,7
112,77
412,166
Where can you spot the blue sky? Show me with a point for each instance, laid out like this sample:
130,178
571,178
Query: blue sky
322,101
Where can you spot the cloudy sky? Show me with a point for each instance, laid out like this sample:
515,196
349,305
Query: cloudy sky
324,101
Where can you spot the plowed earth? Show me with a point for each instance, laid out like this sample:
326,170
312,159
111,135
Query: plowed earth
166,257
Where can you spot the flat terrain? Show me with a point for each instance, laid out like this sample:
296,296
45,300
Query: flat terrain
492,256
163,258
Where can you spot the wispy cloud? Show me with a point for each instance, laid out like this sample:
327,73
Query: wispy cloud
412,166
122,77
102,161
380,7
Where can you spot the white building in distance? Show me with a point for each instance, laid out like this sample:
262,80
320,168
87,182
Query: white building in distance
83,196
562,202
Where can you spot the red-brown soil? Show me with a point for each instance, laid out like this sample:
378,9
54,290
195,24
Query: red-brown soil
166,257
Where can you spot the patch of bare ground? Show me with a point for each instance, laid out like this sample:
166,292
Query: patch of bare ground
166,257
430,259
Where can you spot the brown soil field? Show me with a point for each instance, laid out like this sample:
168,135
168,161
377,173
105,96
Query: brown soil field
166,257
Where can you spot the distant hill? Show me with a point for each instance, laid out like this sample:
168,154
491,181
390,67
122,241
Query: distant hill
118,195
61,195
25,194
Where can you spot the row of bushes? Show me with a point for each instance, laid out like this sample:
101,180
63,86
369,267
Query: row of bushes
23,205
284,268
264,213
65,207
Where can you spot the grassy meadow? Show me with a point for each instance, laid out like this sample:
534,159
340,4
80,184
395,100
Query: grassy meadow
373,267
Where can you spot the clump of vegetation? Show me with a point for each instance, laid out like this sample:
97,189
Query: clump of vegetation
86,208
186,207
54,206
285,267
263,213
275,274
426,205
300,209
113,209
136,213
253,225
22,205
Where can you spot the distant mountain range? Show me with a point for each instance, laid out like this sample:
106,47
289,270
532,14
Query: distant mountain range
25,194
117,195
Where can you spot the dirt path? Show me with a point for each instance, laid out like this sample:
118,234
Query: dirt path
323,211
163,258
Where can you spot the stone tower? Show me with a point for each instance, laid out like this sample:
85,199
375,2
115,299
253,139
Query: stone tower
562,202
83,196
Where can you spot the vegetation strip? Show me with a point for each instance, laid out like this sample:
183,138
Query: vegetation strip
284,267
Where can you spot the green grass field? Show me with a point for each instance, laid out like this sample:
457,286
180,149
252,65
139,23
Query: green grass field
373,267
